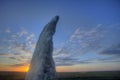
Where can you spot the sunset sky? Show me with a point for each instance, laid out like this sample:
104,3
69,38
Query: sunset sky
87,37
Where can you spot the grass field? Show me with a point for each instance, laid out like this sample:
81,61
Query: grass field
98,75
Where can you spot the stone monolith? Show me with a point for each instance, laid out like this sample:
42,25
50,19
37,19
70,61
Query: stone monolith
42,66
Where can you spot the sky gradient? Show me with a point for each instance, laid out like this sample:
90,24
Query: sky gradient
86,38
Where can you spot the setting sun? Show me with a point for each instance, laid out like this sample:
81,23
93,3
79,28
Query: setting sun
27,68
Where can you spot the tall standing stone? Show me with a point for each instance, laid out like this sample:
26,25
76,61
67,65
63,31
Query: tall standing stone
42,65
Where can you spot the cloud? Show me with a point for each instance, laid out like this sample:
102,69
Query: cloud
112,50
3,54
8,30
80,42
110,59
12,57
22,32
32,44
31,36
14,46
7,54
87,38
18,65
90,42
16,58
69,61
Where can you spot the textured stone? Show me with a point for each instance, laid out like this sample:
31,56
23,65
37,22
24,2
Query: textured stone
42,65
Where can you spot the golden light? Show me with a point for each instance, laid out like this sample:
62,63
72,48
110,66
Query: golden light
24,68
27,68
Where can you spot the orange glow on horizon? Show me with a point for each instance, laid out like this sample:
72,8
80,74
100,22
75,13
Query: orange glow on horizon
77,68
21,69
24,68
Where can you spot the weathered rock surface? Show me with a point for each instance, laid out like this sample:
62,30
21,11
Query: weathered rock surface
42,65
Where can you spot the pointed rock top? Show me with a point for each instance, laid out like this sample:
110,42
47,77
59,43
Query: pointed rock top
56,18
51,26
